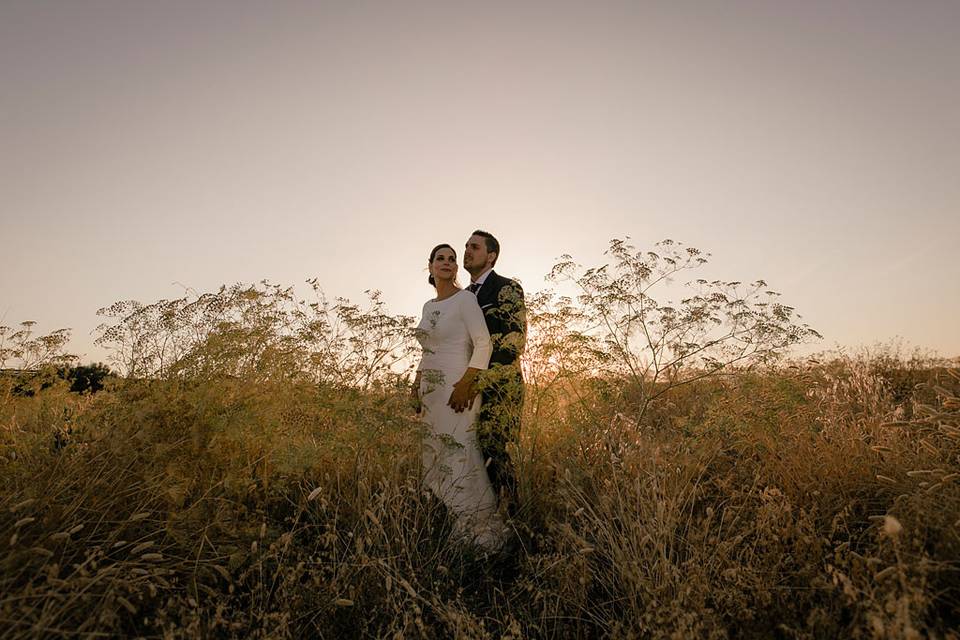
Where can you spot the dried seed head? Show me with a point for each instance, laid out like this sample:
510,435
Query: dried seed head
127,604
224,573
143,546
891,526
22,504
886,573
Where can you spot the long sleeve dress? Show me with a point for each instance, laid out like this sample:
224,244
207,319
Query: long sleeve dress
454,336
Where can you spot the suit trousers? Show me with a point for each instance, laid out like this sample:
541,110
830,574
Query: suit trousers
498,424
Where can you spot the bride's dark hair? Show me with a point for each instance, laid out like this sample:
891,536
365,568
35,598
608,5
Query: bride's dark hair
433,254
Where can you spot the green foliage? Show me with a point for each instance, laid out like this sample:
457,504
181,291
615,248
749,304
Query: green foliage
620,324
29,362
257,333
21,349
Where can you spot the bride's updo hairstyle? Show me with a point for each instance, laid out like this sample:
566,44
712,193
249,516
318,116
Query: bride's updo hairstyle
433,254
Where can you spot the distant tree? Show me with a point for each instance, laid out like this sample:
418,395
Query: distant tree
89,377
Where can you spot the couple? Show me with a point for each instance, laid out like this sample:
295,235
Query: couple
469,387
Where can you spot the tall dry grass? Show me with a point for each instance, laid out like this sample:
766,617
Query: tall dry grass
791,503
255,473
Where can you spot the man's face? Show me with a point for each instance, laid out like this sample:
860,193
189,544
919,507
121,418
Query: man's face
476,258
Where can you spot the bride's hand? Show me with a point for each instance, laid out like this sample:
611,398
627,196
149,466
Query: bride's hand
462,396
463,391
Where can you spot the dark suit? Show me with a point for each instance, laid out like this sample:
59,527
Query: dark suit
498,423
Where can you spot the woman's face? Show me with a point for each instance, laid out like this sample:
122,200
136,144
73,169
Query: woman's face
444,265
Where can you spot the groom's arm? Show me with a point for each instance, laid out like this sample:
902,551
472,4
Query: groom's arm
508,324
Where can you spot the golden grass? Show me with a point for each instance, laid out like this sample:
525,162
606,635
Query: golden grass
803,502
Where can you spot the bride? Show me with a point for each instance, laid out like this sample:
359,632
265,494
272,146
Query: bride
456,347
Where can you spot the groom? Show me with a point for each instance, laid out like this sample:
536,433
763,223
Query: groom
498,423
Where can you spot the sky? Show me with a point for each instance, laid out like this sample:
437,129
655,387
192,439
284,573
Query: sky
148,147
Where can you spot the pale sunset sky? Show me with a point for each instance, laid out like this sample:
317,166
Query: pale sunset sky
150,145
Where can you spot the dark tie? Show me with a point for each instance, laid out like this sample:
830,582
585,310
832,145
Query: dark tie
473,287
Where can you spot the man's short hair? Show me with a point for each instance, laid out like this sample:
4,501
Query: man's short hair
493,246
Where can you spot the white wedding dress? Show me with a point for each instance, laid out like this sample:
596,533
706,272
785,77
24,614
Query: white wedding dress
454,336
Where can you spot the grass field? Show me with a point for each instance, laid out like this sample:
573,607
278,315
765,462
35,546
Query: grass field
813,501
254,472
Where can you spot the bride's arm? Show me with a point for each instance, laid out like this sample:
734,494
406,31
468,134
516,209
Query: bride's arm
479,335
464,391
415,398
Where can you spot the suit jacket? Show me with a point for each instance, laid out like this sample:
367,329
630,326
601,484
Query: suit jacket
501,300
